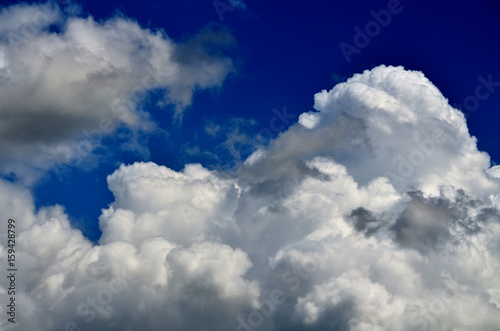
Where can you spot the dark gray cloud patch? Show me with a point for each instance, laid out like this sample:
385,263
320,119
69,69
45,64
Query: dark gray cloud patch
284,164
207,46
364,220
425,222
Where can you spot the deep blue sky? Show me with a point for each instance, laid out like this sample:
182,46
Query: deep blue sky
286,52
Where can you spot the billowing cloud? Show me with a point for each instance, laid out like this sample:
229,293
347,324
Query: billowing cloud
67,81
375,212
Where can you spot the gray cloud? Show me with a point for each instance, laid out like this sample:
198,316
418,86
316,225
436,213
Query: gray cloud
60,89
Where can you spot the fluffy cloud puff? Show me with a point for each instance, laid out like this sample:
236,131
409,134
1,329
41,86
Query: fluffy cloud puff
335,225
67,81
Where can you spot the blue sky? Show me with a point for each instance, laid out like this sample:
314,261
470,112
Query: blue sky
285,52
243,165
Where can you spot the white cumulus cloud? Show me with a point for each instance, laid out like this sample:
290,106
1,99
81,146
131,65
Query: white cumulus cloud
383,215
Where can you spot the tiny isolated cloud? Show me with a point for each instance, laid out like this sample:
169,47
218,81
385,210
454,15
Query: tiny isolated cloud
238,4
309,120
67,79
377,212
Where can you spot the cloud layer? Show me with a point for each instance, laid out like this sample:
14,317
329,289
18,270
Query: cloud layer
375,212
67,81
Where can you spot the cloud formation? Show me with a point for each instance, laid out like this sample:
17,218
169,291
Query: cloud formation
67,80
375,212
